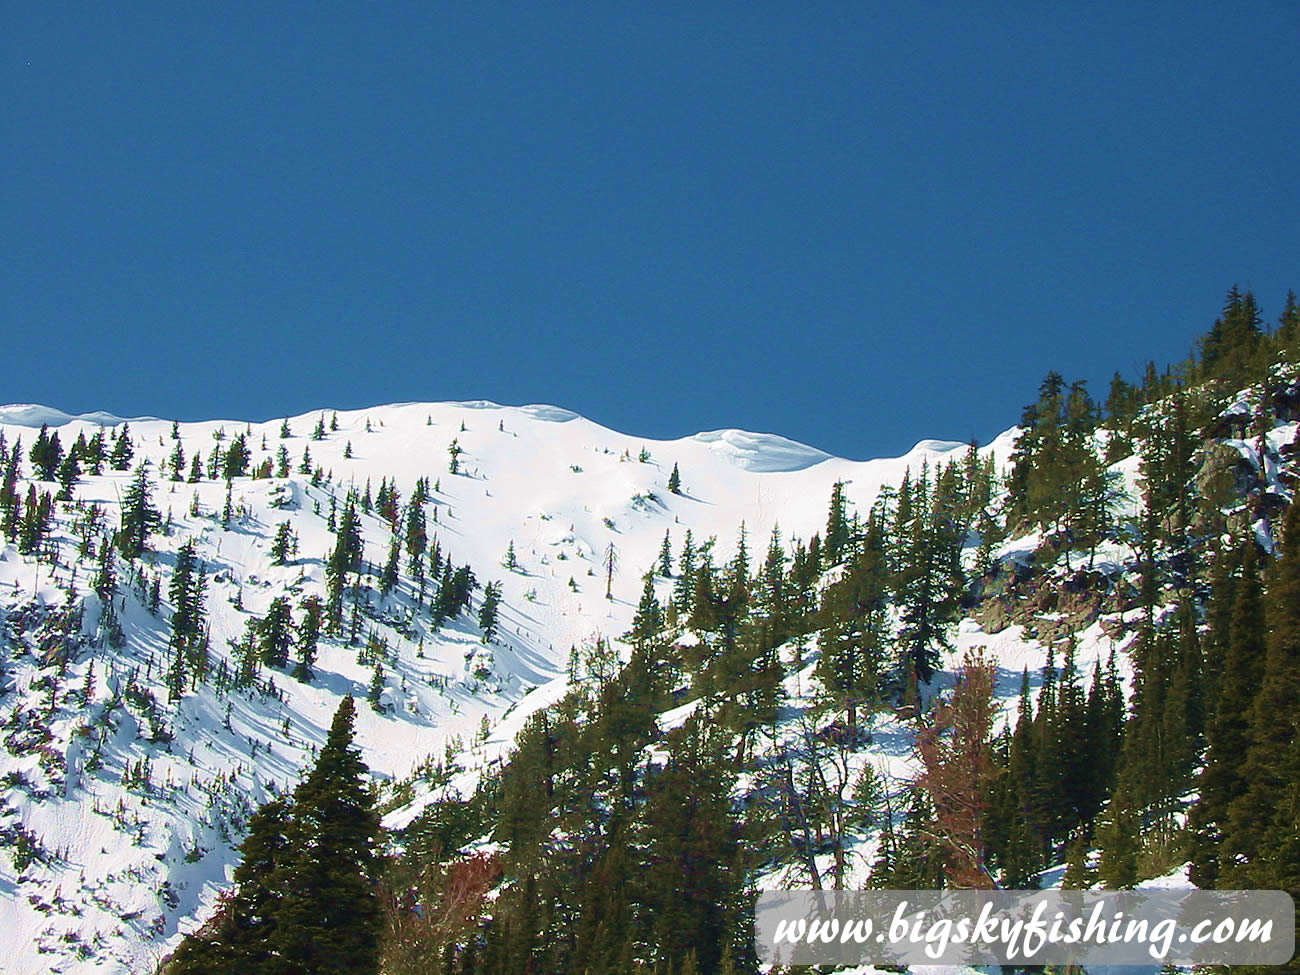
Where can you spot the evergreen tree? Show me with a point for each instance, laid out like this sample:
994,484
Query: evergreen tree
123,450
389,577
275,633
309,630
328,918
837,526
37,517
284,545
177,462
489,611
187,644
139,516
1264,773
648,619
238,940
666,556
417,535
675,481
93,455
69,473
236,459
854,630
46,454
930,581
1228,732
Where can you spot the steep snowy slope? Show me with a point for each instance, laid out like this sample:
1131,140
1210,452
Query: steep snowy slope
127,807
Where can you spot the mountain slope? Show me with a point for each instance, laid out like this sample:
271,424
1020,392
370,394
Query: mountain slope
131,805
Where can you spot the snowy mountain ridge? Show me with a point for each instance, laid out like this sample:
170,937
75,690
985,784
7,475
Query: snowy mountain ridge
131,808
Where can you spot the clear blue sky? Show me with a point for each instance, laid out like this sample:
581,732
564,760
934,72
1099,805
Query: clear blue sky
855,224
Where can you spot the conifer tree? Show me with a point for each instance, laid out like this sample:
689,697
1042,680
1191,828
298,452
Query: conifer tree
1228,732
237,941
68,474
1265,786
388,578
648,619
417,535
46,454
176,461
675,481
123,450
610,565
852,640
93,455
38,513
236,459
275,633
488,611
309,630
684,589
284,545
139,516
187,644
837,526
328,919
957,771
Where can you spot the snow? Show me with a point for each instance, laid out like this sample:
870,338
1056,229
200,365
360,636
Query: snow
761,452
34,415
558,486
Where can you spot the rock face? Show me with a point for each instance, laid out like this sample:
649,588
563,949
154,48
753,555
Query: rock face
1050,606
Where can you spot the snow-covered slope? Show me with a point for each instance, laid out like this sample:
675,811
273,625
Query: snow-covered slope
135,805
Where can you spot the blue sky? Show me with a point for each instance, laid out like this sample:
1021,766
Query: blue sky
854,224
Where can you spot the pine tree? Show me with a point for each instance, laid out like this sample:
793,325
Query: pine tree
375,693
309,630
188,641
328,919
648,619
284,545
837,526
675,481
93,455
1266,766
1228,732
38,514
238,939
236,459
69,473
488,612
852,639
139,516
275,633
46,454
177,462
610,565
957,772
123,450
417,535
